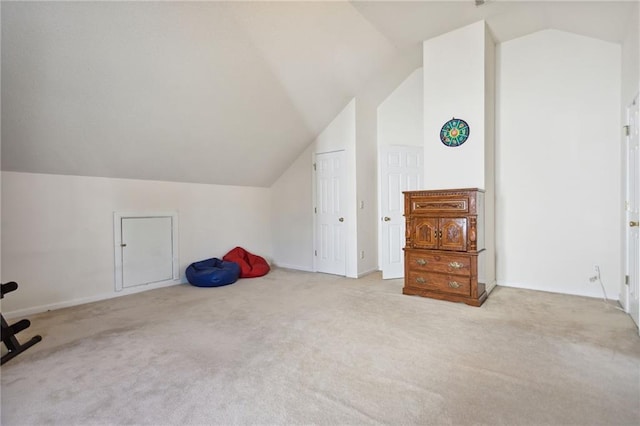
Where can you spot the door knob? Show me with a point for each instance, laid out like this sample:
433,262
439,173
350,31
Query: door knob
387,218
341,219
633,223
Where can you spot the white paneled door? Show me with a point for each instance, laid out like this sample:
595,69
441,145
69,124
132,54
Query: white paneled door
400,169
145,250
330,209
633,201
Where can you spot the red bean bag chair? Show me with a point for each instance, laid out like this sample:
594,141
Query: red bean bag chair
251,265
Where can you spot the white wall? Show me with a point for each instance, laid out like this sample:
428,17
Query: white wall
489,159
400,116
631,59
57,231
558,163
291,215
366,186
454,86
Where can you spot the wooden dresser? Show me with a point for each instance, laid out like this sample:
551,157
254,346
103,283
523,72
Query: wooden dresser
444,252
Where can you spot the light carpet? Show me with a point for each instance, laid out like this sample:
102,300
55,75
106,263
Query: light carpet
295,348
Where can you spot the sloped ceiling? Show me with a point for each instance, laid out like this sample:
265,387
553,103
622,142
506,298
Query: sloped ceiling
218,92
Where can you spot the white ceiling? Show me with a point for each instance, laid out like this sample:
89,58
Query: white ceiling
219,92
410,22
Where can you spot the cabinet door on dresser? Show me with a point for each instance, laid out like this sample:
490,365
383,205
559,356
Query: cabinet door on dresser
424,232
433,233
452,234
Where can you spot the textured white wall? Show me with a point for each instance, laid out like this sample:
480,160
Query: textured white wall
366,194
57,231
400,116
558,163
489,158
631,59
292,215
454,86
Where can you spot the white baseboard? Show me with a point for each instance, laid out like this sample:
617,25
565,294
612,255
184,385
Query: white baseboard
81,301
296,267
595,293
307,269
490,286
365,273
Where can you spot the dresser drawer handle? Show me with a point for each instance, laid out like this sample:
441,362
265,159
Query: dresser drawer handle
421,262
454,284
421,280
455,265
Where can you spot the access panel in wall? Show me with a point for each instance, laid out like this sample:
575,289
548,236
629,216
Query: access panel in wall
145,249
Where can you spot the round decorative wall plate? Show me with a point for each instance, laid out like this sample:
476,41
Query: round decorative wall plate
454,132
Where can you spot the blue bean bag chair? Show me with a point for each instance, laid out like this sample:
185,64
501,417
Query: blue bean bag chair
212,273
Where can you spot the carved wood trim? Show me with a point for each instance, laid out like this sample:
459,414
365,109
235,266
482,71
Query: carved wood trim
445,192
472,233
460,205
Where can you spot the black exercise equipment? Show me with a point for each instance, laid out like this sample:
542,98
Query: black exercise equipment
9,331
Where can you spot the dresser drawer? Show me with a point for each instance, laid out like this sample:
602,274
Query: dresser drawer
428,261
444,283
441,204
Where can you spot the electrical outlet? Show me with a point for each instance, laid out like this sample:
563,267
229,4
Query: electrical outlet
362,254
596,277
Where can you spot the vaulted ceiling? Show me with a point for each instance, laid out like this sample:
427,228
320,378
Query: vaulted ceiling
219,92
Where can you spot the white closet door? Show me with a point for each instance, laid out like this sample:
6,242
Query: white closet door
330,252
400,169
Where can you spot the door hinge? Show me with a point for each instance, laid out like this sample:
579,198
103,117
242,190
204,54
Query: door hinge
626,130
314,167
626,279
315,210
315,252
